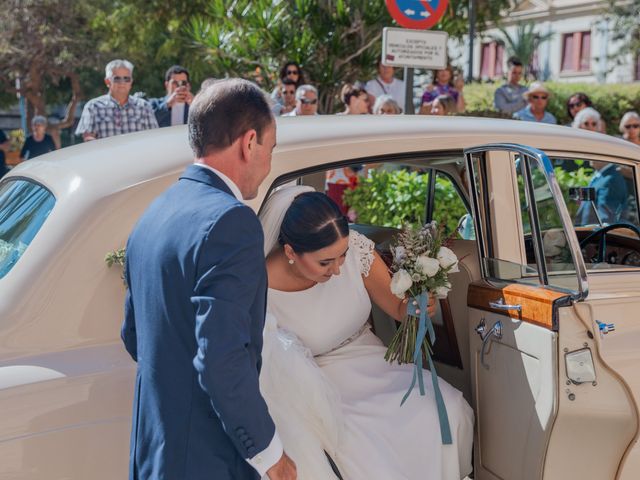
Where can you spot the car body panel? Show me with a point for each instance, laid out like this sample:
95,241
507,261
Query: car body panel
66,382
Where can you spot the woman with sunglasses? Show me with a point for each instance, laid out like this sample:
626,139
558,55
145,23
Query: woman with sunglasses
630,127
588,119
289,71
576,103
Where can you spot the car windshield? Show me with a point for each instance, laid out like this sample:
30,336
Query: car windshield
24,206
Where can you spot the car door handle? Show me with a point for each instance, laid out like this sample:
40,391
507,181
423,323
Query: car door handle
500,305
495,331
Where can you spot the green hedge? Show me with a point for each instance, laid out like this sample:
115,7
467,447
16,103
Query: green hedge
611,100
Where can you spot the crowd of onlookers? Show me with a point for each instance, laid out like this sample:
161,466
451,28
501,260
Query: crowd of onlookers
118,111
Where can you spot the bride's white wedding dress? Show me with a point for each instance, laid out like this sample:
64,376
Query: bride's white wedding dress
328,387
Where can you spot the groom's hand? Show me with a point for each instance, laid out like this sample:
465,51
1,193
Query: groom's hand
284,469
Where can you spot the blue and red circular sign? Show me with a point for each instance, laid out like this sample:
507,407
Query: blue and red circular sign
417,14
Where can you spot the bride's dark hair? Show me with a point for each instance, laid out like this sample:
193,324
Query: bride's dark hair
312,222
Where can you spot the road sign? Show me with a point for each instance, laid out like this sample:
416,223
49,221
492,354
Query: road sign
417,14
402,47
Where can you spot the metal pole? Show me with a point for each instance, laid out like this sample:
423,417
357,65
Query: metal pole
408,91
22,106
472,34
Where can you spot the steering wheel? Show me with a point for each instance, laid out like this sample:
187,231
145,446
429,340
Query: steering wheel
601,232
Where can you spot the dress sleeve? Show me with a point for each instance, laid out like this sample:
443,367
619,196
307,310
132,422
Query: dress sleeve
363,248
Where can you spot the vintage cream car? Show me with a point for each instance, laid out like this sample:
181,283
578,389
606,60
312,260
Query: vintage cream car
541,330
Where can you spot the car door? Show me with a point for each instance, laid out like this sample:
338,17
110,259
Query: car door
529,376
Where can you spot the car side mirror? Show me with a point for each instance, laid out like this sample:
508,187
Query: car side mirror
582,194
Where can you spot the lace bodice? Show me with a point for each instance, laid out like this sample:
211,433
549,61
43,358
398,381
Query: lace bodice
329,313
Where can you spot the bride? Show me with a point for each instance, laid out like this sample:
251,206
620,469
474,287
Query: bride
324,377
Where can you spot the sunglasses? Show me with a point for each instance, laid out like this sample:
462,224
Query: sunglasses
539,97
576,104
118,79
590,124
287,92
308,101
293,72
632,125
179,83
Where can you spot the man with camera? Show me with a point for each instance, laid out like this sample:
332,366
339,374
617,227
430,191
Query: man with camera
173,109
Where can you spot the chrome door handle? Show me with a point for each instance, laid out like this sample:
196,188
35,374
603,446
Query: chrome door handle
495,331
500,305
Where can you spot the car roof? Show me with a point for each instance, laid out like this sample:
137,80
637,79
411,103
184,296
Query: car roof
108,165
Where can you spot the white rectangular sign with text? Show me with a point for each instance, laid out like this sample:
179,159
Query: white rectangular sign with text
402,47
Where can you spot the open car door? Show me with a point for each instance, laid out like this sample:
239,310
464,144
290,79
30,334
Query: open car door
547,406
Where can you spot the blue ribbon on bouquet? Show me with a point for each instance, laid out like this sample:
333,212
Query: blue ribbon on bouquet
425,325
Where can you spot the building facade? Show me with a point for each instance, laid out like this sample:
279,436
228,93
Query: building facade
580,48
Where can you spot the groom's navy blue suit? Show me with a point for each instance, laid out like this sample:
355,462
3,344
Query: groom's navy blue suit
194,315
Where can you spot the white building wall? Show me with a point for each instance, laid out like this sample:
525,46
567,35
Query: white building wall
559,17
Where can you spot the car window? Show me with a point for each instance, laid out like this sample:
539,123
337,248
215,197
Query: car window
602,200
515,250
449,209
24,207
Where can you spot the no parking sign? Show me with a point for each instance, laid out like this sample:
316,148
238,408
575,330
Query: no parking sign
417,14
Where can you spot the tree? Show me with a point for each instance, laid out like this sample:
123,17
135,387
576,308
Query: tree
44,42
334,40
523,44
152,35
625,29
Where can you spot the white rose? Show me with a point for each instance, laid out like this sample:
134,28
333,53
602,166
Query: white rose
443,291
400,283
448,259
427,265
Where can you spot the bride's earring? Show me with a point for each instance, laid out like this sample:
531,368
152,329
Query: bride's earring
291,262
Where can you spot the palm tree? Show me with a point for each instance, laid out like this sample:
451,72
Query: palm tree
523,44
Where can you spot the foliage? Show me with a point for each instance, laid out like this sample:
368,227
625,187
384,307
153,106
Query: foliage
43,42
151,35
335,41
523,44
625,29
611,100
116,257
390,198
397,198
16,139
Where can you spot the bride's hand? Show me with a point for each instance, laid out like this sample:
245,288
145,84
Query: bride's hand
431,306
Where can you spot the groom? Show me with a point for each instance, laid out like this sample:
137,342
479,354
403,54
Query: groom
195,305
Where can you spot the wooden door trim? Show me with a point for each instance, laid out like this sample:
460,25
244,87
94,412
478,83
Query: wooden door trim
539,304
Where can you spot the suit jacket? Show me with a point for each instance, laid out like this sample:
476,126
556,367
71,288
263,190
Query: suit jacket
163,111
194,314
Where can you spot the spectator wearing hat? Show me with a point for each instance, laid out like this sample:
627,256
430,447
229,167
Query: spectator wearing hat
306,102
386,84
537,98
509,97
39,142
173,108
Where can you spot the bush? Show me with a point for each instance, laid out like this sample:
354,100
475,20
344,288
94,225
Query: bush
395,198
611,100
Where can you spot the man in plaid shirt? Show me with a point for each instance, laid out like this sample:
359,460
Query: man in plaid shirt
116,112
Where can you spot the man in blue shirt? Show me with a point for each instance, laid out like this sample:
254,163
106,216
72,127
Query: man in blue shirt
611,195
537,98
509,97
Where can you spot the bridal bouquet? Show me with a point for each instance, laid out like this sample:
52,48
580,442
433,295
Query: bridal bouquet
421,266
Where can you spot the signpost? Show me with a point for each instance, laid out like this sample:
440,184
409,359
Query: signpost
416,47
